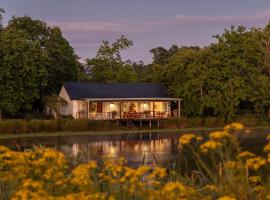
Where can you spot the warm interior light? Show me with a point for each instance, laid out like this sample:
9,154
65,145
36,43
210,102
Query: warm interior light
144,105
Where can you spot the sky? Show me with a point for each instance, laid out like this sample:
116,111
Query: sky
148,23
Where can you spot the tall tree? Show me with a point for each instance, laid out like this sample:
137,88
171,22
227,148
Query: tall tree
22,71
44,52
108,66
62,65
2,11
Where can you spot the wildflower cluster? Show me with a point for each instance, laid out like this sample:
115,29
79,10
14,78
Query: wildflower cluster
231,172
226,174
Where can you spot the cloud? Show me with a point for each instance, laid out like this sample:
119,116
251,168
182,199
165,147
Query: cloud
114,27
85,37
226,20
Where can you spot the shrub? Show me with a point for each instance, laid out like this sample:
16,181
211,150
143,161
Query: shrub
248,120
209,121
74,125
196,121
176,123
49,126
35,125
14,126
264,122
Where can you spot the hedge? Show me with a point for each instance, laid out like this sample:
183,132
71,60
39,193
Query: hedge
17,126
34,126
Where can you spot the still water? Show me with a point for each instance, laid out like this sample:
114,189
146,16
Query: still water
138,148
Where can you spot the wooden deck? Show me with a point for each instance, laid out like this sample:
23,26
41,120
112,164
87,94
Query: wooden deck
136,116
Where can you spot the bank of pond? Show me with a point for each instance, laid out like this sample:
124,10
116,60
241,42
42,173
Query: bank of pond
17,126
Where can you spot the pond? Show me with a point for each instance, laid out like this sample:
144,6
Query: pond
138,148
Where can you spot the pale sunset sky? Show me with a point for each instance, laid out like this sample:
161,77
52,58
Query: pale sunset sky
149,23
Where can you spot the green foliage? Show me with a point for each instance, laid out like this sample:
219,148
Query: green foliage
22,71
108,66
54,102
35,61
2,11
214,80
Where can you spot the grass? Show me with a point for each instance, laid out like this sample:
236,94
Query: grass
112,132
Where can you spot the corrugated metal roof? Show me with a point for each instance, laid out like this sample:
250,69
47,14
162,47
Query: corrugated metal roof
115,90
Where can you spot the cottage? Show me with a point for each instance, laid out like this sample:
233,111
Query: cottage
103,101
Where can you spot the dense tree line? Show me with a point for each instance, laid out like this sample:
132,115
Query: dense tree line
228,76
221,79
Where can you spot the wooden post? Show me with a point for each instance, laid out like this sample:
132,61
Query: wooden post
87,109
121,105
179,108
153,109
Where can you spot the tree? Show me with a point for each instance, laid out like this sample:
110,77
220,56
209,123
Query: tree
216,79
54,103
1,54
108,66
44,52
22,71
62,65
2,11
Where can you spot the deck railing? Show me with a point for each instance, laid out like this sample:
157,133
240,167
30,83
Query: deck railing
126,115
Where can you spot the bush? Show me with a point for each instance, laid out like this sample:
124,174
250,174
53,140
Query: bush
248,120
49,126
209,121
35,125
74,125
196,122
264,121
176,123
14,126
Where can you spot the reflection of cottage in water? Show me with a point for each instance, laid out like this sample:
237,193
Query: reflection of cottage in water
147,151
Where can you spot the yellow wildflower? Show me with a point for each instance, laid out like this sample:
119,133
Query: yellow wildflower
245,155
226,198
267,148
169,187
32,185
258,189
232,165
218,135
187,138
211,188
268,137
210,145
254,179
158,172
235,126
81,175
3,149
255,163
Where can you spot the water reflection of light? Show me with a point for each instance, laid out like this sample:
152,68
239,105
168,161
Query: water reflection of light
137,147
75,149
112,151
144,148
